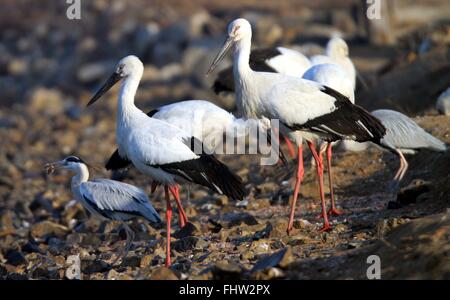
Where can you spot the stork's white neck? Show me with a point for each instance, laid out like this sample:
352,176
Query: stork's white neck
82,175
126,97
242,50
246,99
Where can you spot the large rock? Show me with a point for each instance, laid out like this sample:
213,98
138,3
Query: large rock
47,101
146,37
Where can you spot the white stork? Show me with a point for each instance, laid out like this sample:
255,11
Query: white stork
166,153
304,108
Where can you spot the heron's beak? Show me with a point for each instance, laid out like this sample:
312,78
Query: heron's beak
223,51
112,80
51,167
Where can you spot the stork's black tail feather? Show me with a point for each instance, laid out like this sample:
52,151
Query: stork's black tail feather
117,162
372,123
209,172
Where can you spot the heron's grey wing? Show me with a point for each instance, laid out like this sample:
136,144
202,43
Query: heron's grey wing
109,197
404,133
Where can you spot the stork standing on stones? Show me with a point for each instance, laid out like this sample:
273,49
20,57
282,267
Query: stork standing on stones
306,110
167,154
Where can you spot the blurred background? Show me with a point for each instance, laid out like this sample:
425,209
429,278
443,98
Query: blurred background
50,66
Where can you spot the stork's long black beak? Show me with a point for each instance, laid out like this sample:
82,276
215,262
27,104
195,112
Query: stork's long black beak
112,80
219,57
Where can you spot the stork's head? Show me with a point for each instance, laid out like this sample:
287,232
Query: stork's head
126,67
72,163
239,29
129,65
337,48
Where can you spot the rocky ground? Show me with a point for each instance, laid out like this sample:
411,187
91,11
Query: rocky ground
49,67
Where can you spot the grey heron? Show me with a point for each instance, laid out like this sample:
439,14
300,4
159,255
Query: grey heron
108,199
304,108
166,153
404,136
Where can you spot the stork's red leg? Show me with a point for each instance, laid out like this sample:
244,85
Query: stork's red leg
333,210
168,219
319,167
290,146
299,177
182,218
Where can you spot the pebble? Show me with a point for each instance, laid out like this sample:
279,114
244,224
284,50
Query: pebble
163,273
46,228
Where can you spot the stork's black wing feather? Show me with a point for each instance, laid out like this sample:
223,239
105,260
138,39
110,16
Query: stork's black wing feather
346,121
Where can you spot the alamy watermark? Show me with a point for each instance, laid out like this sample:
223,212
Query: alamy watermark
242,137
374,269
73,270
373,11
73,11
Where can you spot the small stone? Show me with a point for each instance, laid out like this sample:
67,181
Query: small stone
410,193
222,200
246,218
247,255
46,228
189,243
30,247
131,261
281,258
260,247
17,67
163,273
73,239
189,229
226,271
112,275
94,266
146,261
6,222
15,257
267,187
